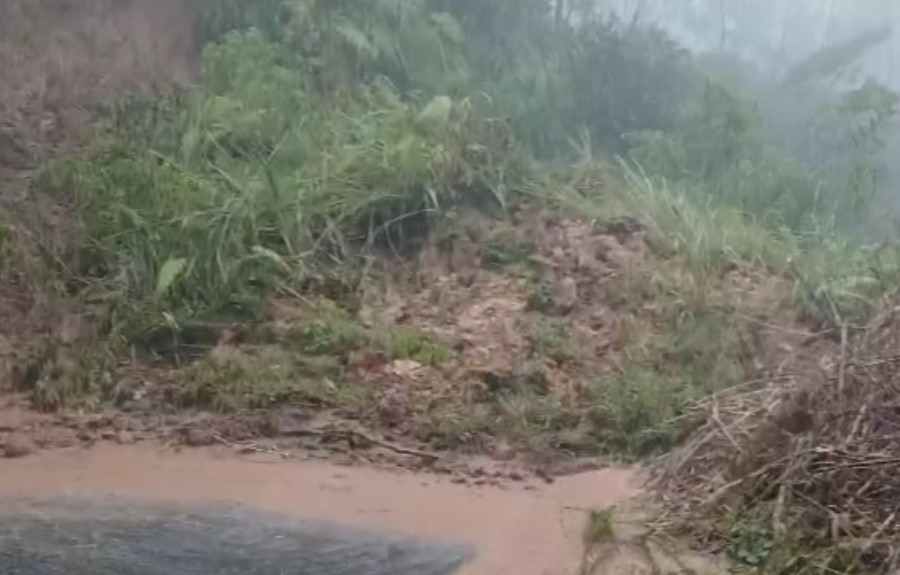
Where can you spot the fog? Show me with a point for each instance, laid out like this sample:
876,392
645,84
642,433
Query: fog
773,34
797,59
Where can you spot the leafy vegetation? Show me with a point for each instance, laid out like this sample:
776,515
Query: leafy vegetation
265,377
329,134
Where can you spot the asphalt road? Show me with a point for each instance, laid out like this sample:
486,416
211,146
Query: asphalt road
64,537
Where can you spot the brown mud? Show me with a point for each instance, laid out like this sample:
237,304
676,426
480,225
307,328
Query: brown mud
522,529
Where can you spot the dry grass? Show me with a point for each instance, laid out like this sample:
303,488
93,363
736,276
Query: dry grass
810,460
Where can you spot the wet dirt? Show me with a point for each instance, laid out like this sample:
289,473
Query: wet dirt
526,529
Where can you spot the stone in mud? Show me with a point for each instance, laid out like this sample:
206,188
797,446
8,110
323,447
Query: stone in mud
18,446
566,294
556,297
125,437
197,437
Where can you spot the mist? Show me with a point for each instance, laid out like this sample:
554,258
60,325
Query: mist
796,60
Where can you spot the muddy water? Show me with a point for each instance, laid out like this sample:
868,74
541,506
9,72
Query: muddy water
514,530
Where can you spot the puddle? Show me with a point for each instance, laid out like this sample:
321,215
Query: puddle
514,530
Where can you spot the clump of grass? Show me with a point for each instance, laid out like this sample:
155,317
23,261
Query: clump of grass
697,351
551,340
7,243
232,379
600,528
409,343
509,253
635,412
455,430
77,375
519,407
228,194
331,332
839,280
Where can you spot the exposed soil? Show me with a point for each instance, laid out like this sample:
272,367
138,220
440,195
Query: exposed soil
61,60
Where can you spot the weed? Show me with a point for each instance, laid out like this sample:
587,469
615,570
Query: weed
636,412
550,339
7,243
231,379
330,332
215,18
509,253
528,414
239,188
704,346
456,430
695,348
600,528
530,378
410,343
69,376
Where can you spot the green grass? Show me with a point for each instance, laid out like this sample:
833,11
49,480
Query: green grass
693,351
208,201
265,377
600,528
222,197
68,375
330,332
506,252
835,277
551,340
406,343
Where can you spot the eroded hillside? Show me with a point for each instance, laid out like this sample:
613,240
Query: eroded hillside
345,232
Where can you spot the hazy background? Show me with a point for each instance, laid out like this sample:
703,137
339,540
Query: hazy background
766,45
772,33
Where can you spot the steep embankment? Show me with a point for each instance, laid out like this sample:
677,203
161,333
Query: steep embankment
384,280
431,291
61,61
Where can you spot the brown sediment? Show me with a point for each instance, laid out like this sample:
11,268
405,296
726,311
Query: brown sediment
519,529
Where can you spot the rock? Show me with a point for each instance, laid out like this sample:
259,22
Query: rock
404,368
196,437
566,294
366,360
125,437
442,469
123,393
62,438
503,451
545,475
18,446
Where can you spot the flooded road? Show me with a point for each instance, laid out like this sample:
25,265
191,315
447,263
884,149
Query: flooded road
517,529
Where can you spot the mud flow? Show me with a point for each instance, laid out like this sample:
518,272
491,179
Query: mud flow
147,512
